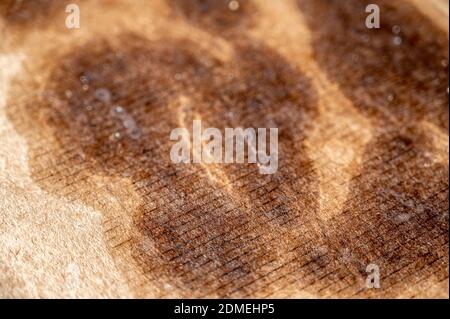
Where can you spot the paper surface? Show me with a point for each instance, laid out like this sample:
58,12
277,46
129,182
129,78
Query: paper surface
363,176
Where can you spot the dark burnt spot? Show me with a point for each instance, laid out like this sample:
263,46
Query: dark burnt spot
219,16
396,73
107,109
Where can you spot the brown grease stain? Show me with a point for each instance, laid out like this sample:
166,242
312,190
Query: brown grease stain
242,234
202,236
217,16
396,74
397,212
